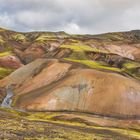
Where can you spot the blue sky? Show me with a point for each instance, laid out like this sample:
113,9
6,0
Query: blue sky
71,16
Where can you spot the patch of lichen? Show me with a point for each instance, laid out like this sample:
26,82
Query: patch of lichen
14,100
46,37
131,65
4,72
18,37
50,118
1,40
132,68
75,41
36,125
118,36
13,126
94,65
80,48
14,112
6,53
78,55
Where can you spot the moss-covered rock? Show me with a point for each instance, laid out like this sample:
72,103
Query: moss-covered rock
4,72
18,37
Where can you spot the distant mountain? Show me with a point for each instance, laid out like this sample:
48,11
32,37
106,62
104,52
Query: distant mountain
57,71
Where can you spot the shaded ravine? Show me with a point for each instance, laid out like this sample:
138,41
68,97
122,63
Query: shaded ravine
8,98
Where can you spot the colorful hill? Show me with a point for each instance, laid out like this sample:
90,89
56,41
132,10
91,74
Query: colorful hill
56,71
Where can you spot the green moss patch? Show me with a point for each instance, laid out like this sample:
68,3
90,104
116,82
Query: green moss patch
1,40
4,72
5,53
118,36
41,125
46,37
131,65
49,117
95,65
80,48
78,55
18,37
132,68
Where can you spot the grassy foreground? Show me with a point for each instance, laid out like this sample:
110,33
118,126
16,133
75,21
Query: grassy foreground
47,126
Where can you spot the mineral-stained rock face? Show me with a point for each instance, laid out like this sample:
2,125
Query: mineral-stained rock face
10,62
128,51
87,91
24,73
52,85
98,74
51,73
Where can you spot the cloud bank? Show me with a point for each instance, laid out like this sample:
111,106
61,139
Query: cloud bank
72,16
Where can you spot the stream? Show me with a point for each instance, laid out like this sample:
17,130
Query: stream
8,99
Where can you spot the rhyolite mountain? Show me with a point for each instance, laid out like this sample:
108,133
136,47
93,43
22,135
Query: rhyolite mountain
58,86
56,71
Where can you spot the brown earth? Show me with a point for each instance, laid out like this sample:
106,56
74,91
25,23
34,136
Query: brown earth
107,84
53,85
59,125
10,62
87,91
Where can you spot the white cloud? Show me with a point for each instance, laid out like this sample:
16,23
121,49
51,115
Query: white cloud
133,21
72,28
72,16
6,21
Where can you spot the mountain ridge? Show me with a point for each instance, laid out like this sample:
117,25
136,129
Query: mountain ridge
77,82
48,57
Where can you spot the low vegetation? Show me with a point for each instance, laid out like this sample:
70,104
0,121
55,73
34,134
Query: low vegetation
80,48
43,126
4,72
1,40
18,37
109,52
46,37
5,53
131,65
95,65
